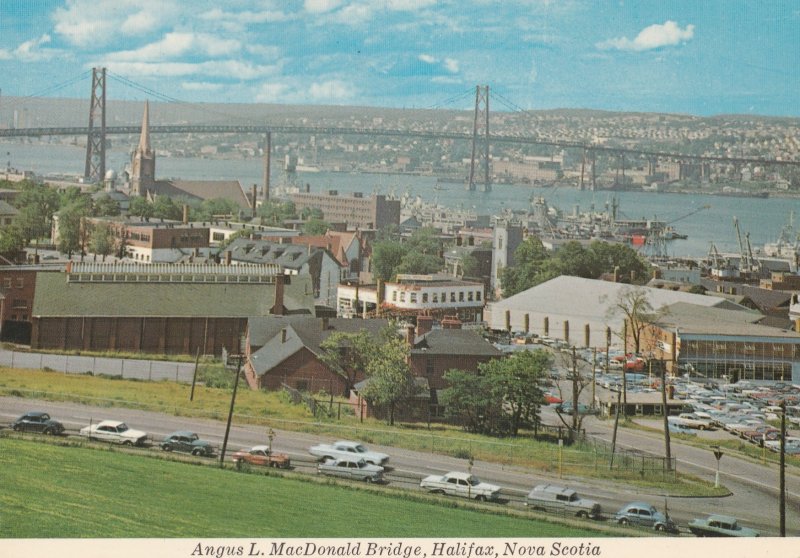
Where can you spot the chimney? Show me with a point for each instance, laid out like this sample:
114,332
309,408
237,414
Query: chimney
279,309
228,257
566,331
410,335
283,335
185,216
451,322
586,335
424,325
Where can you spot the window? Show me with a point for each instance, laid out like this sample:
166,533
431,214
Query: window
413,297
452,297
402,296
7,282
20,282
435,298
461,296
470,296
394,296
424,297
478,296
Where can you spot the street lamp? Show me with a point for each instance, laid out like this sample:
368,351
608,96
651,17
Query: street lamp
270,436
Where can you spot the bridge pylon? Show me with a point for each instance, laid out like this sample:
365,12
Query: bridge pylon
95,169
479,160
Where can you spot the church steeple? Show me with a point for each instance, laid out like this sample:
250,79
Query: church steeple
143,165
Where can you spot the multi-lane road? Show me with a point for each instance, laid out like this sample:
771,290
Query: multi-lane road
754,498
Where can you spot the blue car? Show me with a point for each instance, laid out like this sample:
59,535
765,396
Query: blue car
645,515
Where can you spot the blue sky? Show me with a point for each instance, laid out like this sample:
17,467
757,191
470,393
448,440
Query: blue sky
682,56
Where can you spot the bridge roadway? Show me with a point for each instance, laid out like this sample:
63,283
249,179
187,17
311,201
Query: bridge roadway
266,128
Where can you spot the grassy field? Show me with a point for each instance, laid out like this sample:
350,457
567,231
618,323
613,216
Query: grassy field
66,490
275,410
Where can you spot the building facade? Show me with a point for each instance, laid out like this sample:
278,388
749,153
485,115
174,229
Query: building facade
359,212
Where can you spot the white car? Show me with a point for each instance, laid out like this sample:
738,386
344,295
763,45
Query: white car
692,420
114,431
460,484
345,449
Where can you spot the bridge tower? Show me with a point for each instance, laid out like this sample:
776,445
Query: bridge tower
95,169
479,160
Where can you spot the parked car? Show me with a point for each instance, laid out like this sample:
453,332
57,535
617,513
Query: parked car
263,456
346,448
460,484
553,498
114,431
692,420
645,515
720,526
187,442
354,468
37,421
567,408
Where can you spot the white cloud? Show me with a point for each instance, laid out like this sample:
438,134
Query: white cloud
217,69
175,45
264,51
321,6
85,23
451,65
428,59
409,5
139,23
651,37
331,91
32,51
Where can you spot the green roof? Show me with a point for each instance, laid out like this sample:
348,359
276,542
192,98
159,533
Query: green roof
55,297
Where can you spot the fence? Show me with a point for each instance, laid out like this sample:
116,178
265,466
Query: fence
131,369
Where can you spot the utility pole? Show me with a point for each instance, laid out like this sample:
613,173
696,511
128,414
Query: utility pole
574,392
594,375
664,406
614,435
230,412
625,370
782,483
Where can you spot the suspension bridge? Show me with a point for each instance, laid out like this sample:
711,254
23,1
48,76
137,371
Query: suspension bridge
480,138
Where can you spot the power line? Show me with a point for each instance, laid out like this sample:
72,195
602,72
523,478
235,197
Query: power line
453,99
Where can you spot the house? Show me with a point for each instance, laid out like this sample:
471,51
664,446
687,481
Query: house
284,351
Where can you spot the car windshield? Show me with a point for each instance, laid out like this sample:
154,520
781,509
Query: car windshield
473,480
360,449
361,463
122,427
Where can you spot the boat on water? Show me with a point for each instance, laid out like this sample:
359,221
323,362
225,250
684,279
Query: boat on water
736,193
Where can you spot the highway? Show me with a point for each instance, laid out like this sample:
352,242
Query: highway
754,499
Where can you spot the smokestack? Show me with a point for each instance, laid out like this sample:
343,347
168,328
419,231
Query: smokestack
267,164
527,323
185,217
255,193
278,308
586,332
566,331
546,326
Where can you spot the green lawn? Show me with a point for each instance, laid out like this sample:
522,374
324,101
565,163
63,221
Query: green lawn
54,490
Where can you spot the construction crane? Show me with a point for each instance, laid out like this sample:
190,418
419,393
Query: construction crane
657,237
748,265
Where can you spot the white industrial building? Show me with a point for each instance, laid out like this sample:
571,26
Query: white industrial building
563,307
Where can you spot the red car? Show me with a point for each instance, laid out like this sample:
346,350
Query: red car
263,456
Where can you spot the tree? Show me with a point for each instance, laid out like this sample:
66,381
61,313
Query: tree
348,354
36,204
312,213
11,239
71,224
502,397
165,208
517,379
102,240
420,263
531,267
390,382
386,258
141,207
105,206
633,304
315,227
275,213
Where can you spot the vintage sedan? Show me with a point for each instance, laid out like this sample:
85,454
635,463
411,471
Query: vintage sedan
465,485
262,456
187,442
345,449
720,526
37,421
114,431
645,515
351,468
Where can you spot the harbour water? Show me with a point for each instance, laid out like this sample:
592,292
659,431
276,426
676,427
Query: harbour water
761,218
